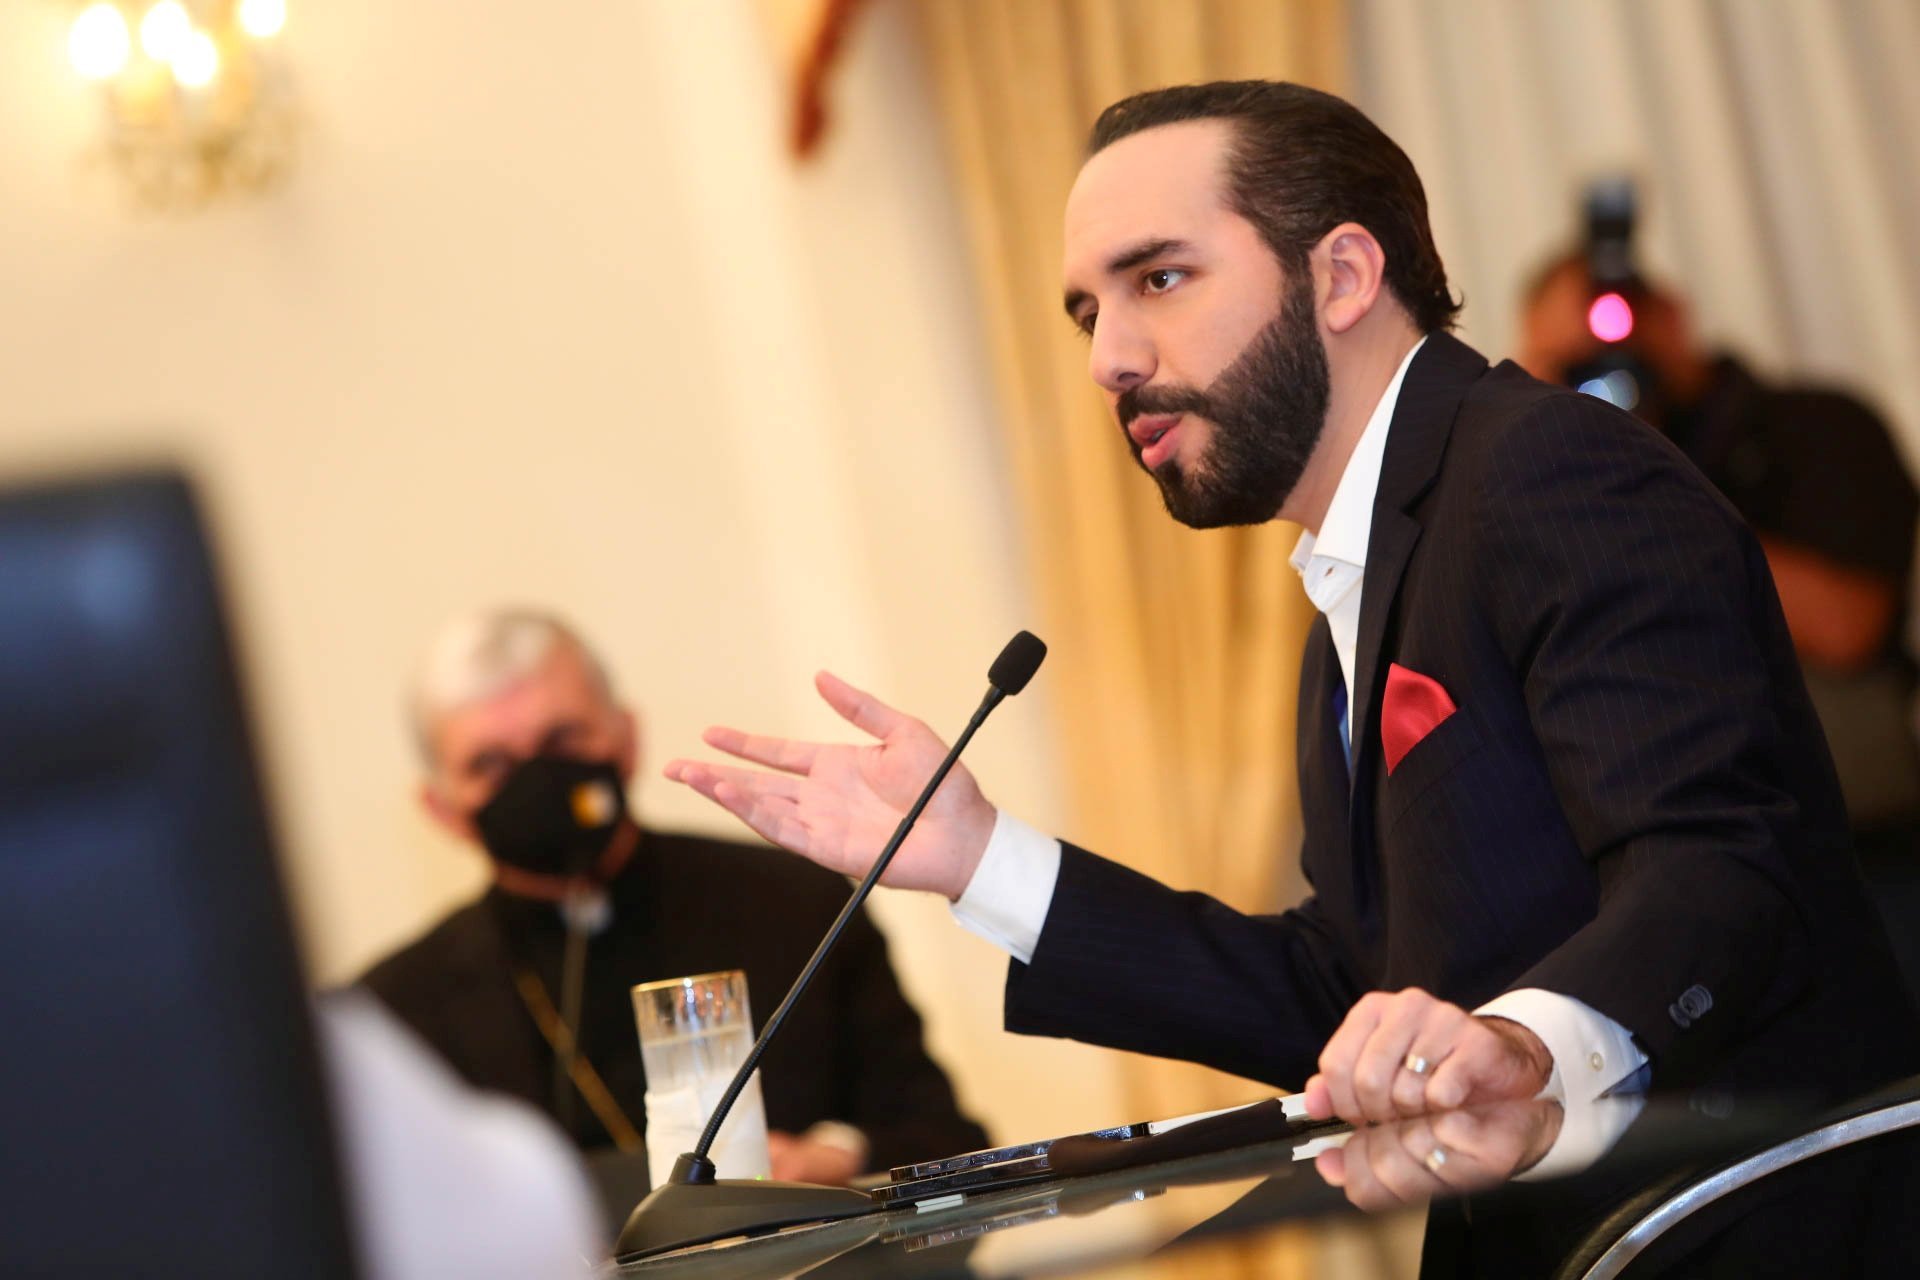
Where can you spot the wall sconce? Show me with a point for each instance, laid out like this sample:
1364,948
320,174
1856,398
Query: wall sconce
197,99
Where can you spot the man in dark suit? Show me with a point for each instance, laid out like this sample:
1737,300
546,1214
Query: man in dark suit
1570,821
516,720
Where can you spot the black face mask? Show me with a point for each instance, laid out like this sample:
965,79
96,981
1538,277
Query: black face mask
554,816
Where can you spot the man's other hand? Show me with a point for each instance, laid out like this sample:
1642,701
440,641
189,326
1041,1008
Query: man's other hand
838,804
1408,1054
798,1158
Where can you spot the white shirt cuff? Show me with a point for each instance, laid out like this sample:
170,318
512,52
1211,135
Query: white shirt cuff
838,1133
1006,901
1592,1055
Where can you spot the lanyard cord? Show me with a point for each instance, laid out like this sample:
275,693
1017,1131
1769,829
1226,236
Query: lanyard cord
572,970
560,1038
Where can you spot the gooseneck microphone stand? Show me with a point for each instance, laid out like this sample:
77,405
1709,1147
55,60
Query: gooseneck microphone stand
693,1206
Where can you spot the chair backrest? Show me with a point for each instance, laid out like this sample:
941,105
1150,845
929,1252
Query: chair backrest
161,1104
1640,1229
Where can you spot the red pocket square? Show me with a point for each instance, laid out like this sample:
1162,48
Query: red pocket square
1413,707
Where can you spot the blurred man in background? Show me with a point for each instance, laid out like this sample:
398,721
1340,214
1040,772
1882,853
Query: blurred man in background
512,712
1817,476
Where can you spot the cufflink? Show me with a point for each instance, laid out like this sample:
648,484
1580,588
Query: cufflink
1693,1003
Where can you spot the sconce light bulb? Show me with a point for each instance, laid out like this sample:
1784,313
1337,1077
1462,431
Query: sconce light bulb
263,19
198,61
98,43
165,30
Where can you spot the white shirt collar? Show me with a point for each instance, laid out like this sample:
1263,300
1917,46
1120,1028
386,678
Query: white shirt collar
1349,522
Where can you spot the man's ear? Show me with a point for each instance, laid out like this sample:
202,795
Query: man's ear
449,819
1351,270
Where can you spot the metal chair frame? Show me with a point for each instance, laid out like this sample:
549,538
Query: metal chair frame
1698,1195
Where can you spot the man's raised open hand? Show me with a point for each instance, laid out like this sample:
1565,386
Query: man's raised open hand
838,804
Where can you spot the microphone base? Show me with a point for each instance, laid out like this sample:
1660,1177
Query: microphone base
678,1214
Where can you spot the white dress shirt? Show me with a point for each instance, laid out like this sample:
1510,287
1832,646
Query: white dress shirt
1007,900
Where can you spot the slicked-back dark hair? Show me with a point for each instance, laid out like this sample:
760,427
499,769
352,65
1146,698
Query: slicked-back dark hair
1301,163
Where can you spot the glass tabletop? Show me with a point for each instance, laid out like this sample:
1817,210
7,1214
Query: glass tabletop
1164,1203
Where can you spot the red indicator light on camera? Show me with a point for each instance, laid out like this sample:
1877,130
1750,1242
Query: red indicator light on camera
1610,319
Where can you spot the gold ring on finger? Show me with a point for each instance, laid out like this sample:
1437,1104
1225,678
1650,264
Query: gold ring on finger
1436,1160
1416,1064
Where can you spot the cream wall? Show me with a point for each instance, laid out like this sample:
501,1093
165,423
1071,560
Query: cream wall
546,315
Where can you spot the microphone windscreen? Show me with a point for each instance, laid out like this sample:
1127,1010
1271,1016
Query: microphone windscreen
1017,663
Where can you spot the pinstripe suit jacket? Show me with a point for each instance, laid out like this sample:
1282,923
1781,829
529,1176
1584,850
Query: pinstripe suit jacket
1633,805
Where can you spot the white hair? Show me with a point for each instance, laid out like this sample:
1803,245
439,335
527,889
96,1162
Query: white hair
475,656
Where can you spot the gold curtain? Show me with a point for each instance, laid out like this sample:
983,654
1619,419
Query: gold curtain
1175,653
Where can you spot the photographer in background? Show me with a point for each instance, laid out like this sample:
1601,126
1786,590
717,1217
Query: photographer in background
1814,472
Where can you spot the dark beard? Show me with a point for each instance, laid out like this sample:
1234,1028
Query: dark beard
1267,410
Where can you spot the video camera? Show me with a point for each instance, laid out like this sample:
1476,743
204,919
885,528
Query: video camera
1615,373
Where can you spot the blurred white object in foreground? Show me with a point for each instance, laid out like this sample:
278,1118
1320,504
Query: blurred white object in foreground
443,1179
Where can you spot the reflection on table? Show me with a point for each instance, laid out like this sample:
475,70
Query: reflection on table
1677,1183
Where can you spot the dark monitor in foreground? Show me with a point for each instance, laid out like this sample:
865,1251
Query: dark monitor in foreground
160,1100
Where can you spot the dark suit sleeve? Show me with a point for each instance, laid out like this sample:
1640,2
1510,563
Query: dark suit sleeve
889,1088
1637,611
1128,963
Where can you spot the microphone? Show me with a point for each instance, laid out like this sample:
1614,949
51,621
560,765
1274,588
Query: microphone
693,1206
1015,666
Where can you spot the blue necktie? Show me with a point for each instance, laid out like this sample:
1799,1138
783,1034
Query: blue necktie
1340,722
